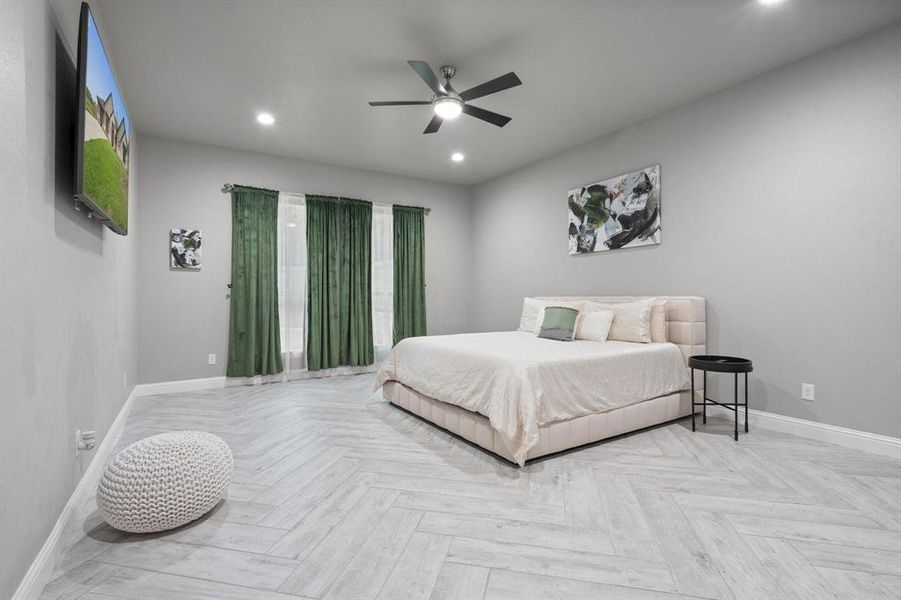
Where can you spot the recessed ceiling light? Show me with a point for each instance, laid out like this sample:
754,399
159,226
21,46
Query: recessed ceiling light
457,157
265,118
770,1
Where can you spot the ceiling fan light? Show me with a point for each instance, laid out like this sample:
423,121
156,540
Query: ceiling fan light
448,108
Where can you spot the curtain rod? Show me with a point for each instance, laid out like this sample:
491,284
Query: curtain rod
228,187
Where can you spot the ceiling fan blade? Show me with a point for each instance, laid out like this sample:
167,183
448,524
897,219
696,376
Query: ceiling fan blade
428,75
401,103
498,84
486,115
433,125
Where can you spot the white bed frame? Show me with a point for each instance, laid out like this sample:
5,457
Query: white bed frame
686,327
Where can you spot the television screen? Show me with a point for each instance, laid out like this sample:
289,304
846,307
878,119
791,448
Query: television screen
104,132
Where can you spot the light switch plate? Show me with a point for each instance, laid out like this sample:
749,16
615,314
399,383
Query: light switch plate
808,392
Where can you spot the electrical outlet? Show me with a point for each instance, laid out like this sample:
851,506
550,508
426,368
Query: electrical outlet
808,392
85,441
211,359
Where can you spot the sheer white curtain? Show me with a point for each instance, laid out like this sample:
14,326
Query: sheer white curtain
292,282
382,280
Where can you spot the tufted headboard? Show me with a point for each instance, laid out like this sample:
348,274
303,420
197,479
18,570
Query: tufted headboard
686,322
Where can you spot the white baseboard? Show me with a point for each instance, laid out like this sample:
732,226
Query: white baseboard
38,574
842,436
217,383
184,385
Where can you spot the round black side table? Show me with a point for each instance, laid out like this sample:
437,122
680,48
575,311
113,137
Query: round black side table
719,364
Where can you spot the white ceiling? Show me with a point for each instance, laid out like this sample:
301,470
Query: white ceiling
201,70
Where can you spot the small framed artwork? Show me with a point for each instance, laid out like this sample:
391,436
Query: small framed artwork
620,212
184,249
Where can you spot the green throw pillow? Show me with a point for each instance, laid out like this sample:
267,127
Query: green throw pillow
559,323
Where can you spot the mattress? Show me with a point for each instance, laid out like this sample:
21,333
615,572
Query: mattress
521,382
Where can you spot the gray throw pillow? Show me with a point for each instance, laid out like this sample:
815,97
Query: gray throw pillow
559,323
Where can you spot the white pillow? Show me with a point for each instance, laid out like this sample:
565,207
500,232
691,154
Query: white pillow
658,320
528,320
631,320
587,307
594,325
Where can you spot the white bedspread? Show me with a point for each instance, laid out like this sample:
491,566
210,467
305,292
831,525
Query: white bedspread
520,381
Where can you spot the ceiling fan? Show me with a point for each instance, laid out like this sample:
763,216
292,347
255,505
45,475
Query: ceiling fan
448,104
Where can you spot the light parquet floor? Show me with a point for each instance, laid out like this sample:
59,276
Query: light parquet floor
338,495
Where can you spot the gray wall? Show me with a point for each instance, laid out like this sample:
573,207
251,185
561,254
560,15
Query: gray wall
67,301
781,207
781,204
183,315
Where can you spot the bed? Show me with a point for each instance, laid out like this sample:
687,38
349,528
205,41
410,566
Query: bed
522,397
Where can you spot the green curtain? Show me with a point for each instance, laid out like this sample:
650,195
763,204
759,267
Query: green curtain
323,333
356,284
253,336
339,290
409,272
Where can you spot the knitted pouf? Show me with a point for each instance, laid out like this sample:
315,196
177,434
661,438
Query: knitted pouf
164,481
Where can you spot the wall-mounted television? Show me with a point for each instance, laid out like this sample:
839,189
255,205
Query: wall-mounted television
104,132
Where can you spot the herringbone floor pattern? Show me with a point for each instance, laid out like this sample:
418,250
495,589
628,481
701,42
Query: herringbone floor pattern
338,495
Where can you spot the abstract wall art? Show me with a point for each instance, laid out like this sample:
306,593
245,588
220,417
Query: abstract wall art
619,212
184,248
